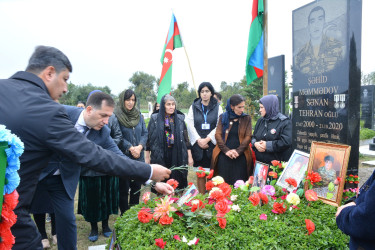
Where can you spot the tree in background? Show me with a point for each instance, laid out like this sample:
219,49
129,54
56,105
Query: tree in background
368,79
253,92
80,93
183,95
143,87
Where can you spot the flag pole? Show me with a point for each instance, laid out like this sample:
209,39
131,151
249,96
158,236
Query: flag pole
191,71
195,87
265,49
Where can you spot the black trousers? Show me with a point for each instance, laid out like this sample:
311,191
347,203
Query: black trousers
126,200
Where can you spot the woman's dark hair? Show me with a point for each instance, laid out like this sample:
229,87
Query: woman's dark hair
128,94
236,99
155,106
208,85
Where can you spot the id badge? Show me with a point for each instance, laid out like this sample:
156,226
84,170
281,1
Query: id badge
205,126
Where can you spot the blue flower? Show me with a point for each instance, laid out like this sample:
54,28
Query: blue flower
12,180
13,165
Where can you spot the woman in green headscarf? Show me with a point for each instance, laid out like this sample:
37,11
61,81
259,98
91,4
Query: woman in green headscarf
134,140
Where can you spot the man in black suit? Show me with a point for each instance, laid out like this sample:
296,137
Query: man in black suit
28,109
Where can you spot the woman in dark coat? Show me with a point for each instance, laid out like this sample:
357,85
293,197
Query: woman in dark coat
168,143
231,158
133,143
201,124
272,137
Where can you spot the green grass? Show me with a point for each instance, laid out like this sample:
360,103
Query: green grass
366,133
83,227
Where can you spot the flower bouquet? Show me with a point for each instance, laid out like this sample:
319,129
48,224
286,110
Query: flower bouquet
229,217
11,148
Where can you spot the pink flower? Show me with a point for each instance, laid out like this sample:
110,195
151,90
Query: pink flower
146,197
176,237
160,243
268,190
239,183
263,217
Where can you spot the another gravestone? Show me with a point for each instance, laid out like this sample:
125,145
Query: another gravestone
327,75
367,106
276,79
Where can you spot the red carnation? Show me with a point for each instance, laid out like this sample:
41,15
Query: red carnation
313,177
201,173
211,174
144,215
311,195
8,217
251,180
173,183
165,220
222,222
7,238
263,198
160,243
222,206
225,188
273,174
310,226
291,182
254,198
209,185
275,163
278,208
217,195
196,204
11,200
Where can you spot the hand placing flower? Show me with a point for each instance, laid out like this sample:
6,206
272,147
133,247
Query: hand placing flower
173,183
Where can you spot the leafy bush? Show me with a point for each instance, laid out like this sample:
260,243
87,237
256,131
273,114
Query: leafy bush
366,133
244,229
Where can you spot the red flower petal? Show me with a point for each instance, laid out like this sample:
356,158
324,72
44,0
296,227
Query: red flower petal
310,226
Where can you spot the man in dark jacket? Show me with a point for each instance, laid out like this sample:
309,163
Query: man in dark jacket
28,109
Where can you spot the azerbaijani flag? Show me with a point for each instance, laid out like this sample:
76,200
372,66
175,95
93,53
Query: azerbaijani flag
254,59
172,42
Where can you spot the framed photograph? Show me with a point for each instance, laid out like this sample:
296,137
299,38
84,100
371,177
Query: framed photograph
330,161
188,195
296,168
260,174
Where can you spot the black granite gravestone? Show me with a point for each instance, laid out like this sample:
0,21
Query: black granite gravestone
276,79
367,106
327,75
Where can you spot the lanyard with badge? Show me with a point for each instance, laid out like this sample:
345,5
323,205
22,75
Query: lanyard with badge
205,125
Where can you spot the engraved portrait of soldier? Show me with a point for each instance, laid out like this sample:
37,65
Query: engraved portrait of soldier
324,45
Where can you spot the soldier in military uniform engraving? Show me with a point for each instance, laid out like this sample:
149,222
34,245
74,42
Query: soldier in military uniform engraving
321,53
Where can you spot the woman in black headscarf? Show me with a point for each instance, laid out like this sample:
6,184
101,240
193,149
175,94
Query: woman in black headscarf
168,142
272,137
231,158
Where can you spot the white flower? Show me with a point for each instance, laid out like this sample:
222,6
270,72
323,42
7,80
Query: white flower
236,208
217,180
184,239
213,190
195,202
293,198
275,217
192,242
233,197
